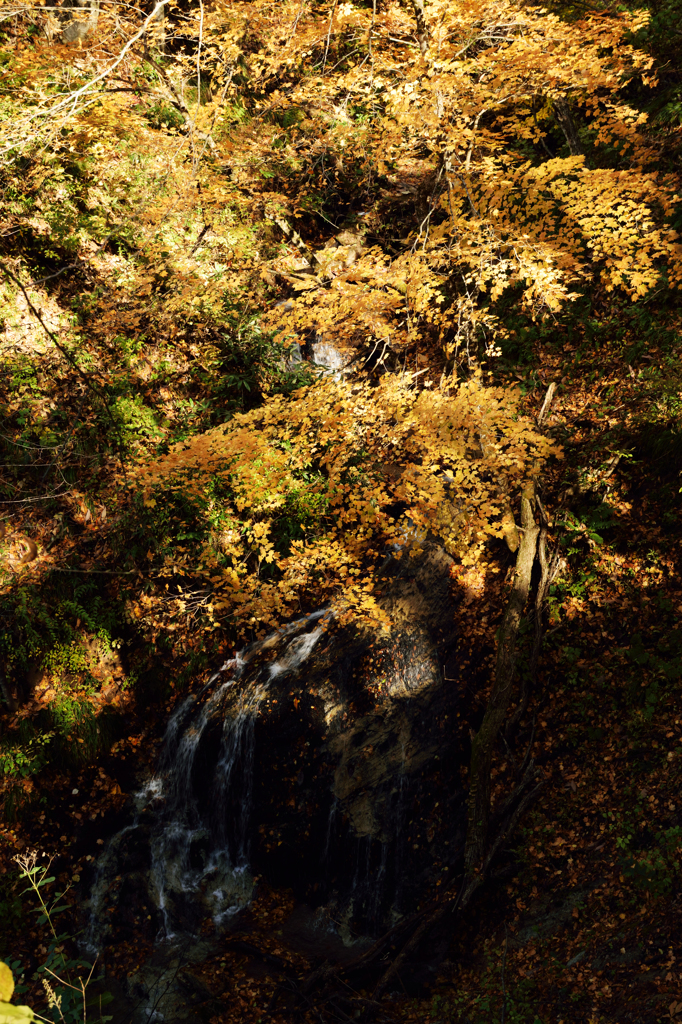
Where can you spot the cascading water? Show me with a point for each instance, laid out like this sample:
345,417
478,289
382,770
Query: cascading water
364,873
316,757
198,821
326,760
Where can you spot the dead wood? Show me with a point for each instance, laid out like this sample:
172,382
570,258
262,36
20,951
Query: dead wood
484,742
549,568
546,404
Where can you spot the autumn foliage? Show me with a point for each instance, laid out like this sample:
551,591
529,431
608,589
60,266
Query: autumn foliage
504,129
467,121
464,202
339,463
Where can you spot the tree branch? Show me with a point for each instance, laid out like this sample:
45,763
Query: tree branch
69,358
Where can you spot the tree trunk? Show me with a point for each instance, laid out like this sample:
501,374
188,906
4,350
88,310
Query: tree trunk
483,744
80,19
565,119
422,30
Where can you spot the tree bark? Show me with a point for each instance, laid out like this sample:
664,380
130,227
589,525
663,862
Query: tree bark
568,127
80,21
549,568
422,30
483,744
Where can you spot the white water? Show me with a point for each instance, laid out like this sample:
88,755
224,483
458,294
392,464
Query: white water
328,357
199,826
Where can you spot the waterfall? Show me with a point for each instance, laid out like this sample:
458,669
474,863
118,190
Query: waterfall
198,823
321,753
364,874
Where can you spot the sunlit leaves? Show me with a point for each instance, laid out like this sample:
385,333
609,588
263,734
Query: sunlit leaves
353,454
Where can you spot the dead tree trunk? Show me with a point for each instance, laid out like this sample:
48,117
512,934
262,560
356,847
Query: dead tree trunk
483,745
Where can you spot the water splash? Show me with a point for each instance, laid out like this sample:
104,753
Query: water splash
327,356
198,826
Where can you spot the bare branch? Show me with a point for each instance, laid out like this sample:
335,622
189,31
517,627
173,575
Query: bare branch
69,104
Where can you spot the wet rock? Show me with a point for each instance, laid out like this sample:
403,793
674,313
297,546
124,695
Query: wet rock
167,988
314,934
318,757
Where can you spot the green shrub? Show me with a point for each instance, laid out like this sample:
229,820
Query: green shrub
163,115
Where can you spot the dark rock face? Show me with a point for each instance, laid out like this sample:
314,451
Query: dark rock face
339,789
321,758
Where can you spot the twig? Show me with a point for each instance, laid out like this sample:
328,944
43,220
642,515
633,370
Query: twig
200,238
470,150
296,21
541,136
371,37
70,101
195,159
169,982
427,218
329,35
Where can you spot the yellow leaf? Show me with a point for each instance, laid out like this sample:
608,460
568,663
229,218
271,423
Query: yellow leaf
6,983
10,1014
